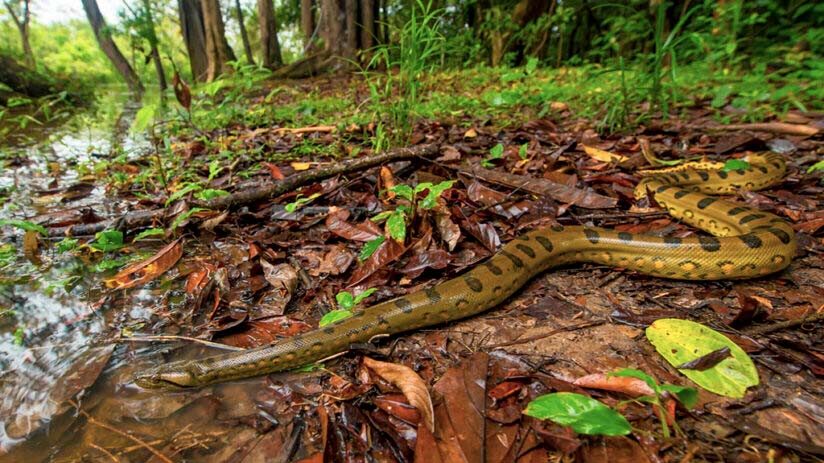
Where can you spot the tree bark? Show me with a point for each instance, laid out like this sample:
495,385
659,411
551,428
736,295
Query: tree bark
216,47
367,10
104,39
269,35
24,80
307,26
191,23
22,20
247,48
158,64
351,9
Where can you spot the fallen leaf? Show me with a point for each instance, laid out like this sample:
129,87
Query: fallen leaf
632,387
706,362
265,331
274,170
387,252
471,133
31,246
410,384
388,181
337,224
603,156
143,272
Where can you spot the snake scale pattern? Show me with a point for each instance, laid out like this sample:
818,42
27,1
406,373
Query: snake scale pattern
745,243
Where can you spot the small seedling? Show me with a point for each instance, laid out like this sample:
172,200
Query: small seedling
686,395
346,302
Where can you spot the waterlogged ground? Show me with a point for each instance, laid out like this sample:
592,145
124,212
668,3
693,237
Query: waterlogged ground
70,343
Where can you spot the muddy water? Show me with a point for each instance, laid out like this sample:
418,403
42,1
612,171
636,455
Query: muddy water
65,363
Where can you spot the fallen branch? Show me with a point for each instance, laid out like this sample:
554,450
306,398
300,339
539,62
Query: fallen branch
774,127
312,129
143,218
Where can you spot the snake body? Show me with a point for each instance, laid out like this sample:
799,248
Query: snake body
745,243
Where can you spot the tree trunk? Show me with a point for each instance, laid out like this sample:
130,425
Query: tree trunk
104,39
367,10
269,35
191,23
216,47
22,20
351,9
307,26
158,64
24,80
247,49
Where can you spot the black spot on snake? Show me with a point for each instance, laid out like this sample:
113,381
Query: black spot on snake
762,169
493,268
544,242
382,320
709,243
672,241
526,250
557,228
592,235
722,174
752,241
329,330
662,188
750,218
680,194
403,304
474,283
433,295
704,203
737,210
516,261
523,237
783,236
625,236
704,176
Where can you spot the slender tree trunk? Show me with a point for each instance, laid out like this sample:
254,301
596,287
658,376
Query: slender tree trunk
247,48
191,24
104,39
22,20
307,26
269,35
158,64
367,11
351,9
216,47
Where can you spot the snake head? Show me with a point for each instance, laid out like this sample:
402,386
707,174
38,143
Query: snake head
163,378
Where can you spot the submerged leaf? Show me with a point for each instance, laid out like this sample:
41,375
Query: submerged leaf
149,269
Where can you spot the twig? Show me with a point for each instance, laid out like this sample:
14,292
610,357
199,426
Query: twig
107,427
537,337
317,128
171,338
764,329
104,451
773,127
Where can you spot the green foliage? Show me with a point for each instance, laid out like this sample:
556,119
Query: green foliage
67,244
334,316
688,396
24,225
300,201
583,414
818,166
370,247
735,164
149,233
347,302
107,240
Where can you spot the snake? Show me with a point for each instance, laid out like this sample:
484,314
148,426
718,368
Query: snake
741,242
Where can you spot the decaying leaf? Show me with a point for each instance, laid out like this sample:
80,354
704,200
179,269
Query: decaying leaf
412,386
603,156
31,246
143,272
633,387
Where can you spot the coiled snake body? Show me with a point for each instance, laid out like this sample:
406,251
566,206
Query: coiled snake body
746,243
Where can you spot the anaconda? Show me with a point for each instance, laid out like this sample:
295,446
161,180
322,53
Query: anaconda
744,243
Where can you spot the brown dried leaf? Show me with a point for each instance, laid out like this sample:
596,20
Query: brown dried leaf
633,387
146,271
387,252
449,230
31,246
182,92
337,224
265,331
388,181
412,386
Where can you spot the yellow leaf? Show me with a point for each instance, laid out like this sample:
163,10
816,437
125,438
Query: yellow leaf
410,384
471,133
301,165
603,156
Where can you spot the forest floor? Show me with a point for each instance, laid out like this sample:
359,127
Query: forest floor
270,269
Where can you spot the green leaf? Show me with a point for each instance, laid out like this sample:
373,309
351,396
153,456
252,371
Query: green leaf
681,341
188,188
522,151
638,374
583,414
309,368
300,202
382,216
149,233
497,151
370,247
396,225
404,191
334,316
185,216
144,117
209,194
735,164
108,240
422,186
24,225
816,167
435,191
686,395
214,169
345,300
531,65
66,244
360,297
111,264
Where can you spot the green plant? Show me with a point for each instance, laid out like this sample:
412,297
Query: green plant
583,414
397,219
107,240
686,395
346,302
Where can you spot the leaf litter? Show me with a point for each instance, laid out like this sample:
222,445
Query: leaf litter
259,273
